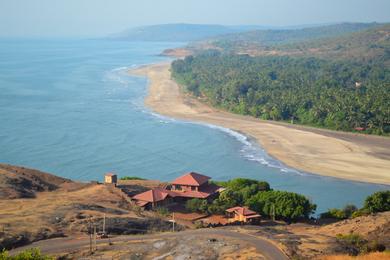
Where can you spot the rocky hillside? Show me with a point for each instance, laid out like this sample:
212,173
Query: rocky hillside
20,182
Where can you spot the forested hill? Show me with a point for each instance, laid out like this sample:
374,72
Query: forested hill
264,39
178,32
351,92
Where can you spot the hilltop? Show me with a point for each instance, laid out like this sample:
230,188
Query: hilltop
59,207
20,182
180,32
276,38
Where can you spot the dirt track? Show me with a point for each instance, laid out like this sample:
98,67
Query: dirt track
51,246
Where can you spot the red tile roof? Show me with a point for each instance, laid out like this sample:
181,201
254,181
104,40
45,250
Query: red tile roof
152,195
110,174
192,179
242,211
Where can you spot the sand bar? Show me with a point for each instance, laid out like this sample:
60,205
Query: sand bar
349,156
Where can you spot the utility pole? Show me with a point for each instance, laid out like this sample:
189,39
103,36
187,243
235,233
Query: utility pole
173,221
94,237
273,212
90,236
104,223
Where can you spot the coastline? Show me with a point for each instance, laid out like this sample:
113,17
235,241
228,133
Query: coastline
318,151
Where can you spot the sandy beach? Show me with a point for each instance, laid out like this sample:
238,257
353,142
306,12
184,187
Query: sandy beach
337,154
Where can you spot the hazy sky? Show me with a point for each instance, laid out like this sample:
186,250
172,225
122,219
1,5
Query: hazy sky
101,17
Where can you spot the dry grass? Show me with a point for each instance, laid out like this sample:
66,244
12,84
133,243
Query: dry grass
371,256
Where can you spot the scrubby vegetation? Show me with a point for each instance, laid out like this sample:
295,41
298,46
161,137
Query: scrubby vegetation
258,196
284,205
344,213
29,254
377,202
354,244
126,178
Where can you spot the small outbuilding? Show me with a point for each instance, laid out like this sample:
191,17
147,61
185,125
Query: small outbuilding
110,178
242,214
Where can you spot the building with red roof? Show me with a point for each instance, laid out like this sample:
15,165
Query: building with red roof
151,198
242,214
189,186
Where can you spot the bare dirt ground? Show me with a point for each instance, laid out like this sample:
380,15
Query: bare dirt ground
349,156
47,206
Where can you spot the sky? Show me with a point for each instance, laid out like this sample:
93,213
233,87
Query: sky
78,18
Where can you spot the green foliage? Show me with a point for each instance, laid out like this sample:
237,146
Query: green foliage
162,211
344,213
334,213
125,178
355,244
28,254
378,202
197,205
237,192
286,205
360,212
307,90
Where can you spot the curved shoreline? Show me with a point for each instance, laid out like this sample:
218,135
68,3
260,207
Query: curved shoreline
323,152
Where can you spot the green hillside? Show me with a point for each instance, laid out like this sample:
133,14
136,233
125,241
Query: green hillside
178,32
340,83
266,38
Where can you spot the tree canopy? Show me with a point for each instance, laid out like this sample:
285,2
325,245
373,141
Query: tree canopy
341,94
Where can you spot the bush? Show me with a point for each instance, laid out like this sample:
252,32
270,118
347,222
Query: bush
28,254
196,205
344,213
354,244
126,178
162,211
334,213
360,212
286,205
349,209
378,202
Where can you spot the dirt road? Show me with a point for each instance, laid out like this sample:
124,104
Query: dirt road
57,245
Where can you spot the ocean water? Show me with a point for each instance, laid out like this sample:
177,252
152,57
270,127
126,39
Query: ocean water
69,107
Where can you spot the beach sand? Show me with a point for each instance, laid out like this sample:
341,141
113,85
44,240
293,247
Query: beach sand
338,154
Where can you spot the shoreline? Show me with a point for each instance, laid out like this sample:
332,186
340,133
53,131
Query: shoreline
342,155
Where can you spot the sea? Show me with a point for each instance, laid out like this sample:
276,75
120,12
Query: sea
69,107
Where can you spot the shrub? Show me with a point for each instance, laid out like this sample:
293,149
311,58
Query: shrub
196,205
349,209
354,244
334,213
162,211
286,205
360,212
126,178
344,213
378,202
28,254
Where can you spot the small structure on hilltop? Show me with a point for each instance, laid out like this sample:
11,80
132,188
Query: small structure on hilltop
189,186
242,214
110,178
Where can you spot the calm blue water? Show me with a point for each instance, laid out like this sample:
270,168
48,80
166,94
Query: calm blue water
68,107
